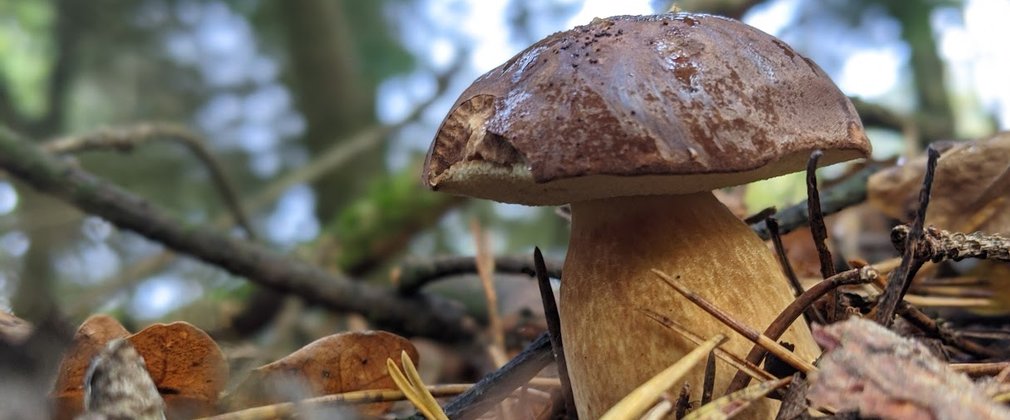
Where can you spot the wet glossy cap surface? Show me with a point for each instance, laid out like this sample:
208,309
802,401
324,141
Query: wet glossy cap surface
638,105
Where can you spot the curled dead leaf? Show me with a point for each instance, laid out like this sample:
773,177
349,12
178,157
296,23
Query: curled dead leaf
970,191
90,338
186,365
334,364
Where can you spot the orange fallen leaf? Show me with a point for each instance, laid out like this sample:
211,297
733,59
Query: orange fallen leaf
89,340
334,364
186,365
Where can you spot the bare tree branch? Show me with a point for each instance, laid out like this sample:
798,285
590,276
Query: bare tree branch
126,138
417,315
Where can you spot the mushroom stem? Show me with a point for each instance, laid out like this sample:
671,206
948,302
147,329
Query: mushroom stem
610,344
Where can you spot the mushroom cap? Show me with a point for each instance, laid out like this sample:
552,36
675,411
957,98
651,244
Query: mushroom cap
641,105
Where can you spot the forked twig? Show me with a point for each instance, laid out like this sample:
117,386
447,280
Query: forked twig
901,278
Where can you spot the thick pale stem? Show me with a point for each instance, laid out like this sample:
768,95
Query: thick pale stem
610,344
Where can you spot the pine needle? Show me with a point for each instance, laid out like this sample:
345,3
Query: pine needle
645,396
413,388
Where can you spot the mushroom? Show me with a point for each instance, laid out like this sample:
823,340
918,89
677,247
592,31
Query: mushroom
634,120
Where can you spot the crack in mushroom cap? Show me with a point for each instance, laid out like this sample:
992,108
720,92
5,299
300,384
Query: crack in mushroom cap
641,105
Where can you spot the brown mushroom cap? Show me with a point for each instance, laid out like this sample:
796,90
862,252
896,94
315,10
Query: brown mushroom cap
641,105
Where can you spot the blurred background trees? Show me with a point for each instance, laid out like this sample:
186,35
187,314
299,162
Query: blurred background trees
319,112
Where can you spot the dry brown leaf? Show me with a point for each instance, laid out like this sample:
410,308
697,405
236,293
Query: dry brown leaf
338,363
868,368
13,330
186,365
969,192
90,338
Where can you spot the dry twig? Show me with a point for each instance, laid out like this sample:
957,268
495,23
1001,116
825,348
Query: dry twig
742,365
938,245
901,279
485,271
751,334
786,318
497,385
554,329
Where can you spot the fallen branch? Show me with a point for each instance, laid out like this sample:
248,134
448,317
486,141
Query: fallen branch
415,274
419,315
938,245
847,193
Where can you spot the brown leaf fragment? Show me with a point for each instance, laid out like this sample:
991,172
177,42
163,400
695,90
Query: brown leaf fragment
89,340
118,386
970,191
13,330
868,368
794,403
187,366
334,364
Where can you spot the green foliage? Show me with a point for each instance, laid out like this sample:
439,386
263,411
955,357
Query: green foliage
779,192
394,207
26,52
